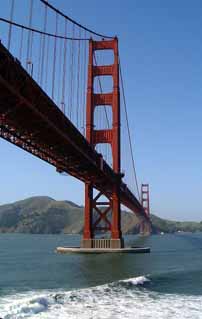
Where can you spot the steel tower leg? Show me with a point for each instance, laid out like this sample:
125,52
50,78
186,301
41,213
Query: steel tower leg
111,136
88,211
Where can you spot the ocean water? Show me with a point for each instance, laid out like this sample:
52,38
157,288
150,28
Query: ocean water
35,282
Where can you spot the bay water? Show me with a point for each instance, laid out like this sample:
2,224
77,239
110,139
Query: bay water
35,282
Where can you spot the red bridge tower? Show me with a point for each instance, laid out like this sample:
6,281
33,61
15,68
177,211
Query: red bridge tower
145,227
109,217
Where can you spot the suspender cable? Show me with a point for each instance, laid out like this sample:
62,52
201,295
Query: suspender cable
59,73
28,62
64,70
10,26
128,129
72,73
47,63
43,45
54,56
21,44
82,90
78,82
84,85
40,53
81,87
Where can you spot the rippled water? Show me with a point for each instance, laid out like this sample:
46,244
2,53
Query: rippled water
37,283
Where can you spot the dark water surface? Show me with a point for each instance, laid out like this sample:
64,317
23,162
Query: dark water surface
35,282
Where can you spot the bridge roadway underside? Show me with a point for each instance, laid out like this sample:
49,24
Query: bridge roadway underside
32,121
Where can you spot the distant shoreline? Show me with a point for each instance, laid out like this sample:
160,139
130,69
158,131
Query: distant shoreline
44,215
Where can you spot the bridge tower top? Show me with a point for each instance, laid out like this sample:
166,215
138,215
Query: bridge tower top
112,99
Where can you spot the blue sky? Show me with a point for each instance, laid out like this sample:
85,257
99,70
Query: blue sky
161,50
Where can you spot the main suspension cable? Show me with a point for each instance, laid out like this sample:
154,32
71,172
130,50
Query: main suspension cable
22,26
74,22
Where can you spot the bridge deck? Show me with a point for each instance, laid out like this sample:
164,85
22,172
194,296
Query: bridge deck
33,122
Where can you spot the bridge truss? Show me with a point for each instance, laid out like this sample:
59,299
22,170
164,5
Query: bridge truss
31,118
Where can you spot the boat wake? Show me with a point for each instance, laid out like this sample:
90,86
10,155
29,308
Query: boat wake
128,299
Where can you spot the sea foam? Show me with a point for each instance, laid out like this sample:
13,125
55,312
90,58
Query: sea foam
111,301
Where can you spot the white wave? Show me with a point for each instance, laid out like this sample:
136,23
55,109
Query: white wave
23,305
113,301
137,280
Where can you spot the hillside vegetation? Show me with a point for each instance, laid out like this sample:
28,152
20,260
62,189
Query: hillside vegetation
168,226
44,215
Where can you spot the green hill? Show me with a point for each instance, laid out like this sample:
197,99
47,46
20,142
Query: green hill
44,215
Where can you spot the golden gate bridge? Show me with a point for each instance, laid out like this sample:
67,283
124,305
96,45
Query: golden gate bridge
62,99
